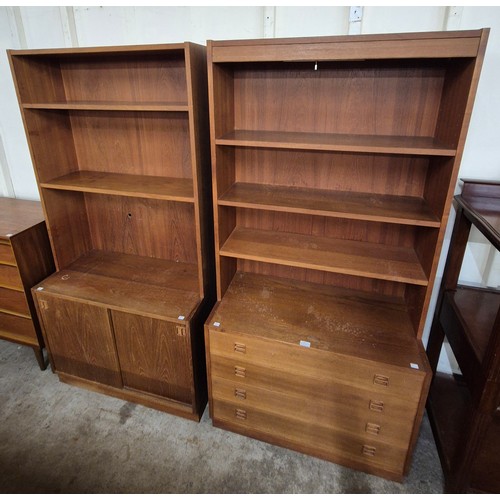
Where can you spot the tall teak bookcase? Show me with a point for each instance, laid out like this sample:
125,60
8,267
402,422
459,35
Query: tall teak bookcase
119,141
334,162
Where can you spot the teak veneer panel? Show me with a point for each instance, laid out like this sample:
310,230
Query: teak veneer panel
110,106
370,260
159,288
351,205
397,46
336,142
141,186
81,341
153,356
332,318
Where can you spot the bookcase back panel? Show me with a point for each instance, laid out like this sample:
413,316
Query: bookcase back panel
151,78
313,276
379,174
133,143
149,228
376,98
147,143
331,227
108,78
38,79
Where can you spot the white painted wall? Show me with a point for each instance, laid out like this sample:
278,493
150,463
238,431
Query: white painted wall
39,27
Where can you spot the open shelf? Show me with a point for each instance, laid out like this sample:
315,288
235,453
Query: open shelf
350,205
110,106
476,310
413,145
369,260
449,405
160,288
341,320
140,186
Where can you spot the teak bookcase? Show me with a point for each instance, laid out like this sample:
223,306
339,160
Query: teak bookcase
119,141
334,163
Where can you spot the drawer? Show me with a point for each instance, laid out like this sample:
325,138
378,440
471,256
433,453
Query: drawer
345,410
7,254
310,438
323,366
9,277
13,301
17,328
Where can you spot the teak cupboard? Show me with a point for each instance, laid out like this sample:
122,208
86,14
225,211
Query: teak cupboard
25,259
334,163
119,142
464,410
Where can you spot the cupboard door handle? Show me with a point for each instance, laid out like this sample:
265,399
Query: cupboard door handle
240,414
369,451
240,371
240,393
242,348
372,428
381,380
376,406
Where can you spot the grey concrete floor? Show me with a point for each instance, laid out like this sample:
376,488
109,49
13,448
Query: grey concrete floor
55,438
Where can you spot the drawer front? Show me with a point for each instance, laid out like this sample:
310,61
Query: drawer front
345,410
9,277
17,328
310,437
324,367
13,301
7,254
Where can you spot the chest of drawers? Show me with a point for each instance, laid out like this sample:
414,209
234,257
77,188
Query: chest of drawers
314,396
25,259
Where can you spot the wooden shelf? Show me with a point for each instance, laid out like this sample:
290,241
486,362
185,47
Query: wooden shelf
476,309
355,258
160,288
139,186
110,106
340,320
410,145
349,205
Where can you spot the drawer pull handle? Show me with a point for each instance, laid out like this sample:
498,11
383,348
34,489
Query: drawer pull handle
372,428
240,393
377,406
242,348
381,380
240,372
369,451
240,414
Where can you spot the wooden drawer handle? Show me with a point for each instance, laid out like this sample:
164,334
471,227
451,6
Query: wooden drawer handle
241,348
369,451
240,414
376,406
372,428
381,380
240,371
240,393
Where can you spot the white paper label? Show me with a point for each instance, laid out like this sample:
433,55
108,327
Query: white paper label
40,288
216,323
180,317
305,343
414,366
